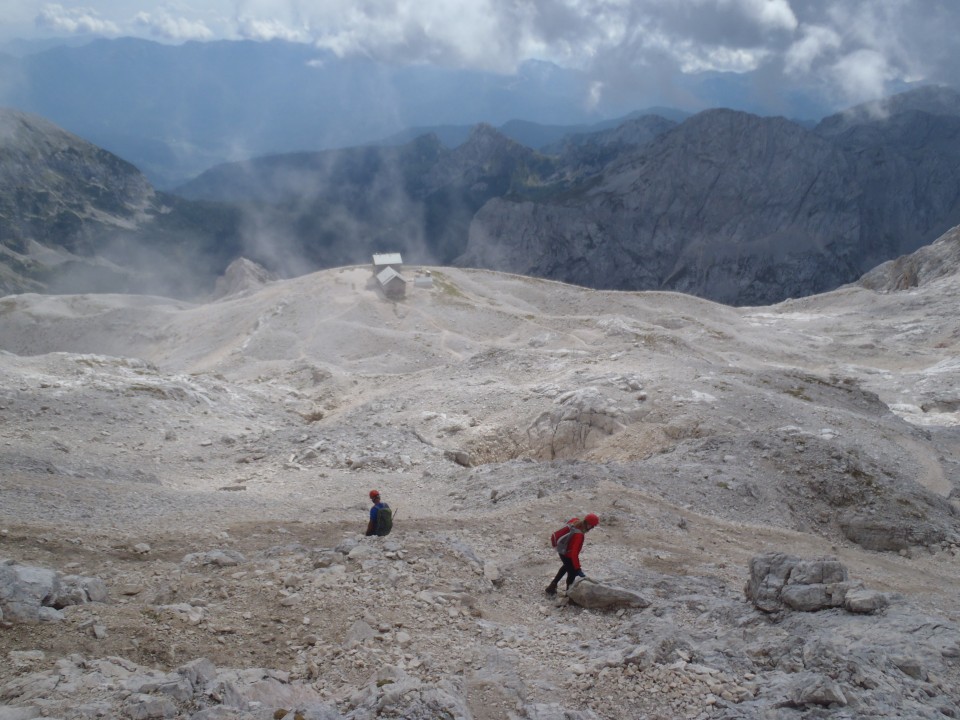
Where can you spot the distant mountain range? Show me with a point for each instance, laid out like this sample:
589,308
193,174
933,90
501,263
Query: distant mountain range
177,110
726,205
534,135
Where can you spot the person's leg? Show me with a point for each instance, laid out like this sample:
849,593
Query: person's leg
570,571
552,587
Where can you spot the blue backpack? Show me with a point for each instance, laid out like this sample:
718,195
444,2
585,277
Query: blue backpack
384,519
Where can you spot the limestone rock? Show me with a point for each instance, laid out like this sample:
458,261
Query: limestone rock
359,633
819,690
579,421
768,575
588,593
889,534
220,558
24,590
861,600
19,713
241,275
29,593
554,711
813,597
77,590
779,581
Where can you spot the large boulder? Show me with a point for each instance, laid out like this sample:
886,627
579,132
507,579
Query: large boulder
890,534
595,595
779,581
768,575
24,590
28,594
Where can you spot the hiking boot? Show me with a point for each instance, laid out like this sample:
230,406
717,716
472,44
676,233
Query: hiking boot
551,589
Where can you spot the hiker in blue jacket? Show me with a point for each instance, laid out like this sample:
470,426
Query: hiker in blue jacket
377,505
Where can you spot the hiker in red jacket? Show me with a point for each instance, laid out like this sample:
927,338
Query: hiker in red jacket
568,547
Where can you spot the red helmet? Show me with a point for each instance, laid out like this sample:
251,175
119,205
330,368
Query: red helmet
591,520
374,493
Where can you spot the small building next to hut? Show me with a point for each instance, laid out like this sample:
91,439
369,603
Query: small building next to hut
424,280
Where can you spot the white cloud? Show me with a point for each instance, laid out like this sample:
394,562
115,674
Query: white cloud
454,32
74,21
768,14
594,94
692,58
776,14
814,43
856,50
166,26
862,75
269,29
838,46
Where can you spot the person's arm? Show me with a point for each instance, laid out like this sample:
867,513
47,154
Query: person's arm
573,550
372,524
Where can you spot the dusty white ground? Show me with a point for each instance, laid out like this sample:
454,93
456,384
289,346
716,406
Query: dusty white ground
701,434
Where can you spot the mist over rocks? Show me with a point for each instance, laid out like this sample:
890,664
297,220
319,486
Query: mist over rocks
703,436
337,207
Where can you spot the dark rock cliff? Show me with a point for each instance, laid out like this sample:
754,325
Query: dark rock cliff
742,209
728,206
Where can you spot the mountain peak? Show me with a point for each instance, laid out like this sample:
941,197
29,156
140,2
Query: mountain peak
77,218
60,180
487,133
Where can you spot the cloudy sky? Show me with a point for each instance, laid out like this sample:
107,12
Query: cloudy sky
851,50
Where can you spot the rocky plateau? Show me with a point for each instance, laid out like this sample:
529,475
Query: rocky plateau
184,493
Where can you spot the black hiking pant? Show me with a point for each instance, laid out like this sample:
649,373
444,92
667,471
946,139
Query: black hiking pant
568,569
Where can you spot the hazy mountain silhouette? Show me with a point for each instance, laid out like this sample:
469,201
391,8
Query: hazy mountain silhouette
176,110
534,135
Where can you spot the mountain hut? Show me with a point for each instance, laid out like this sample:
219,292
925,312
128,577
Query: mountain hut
392,283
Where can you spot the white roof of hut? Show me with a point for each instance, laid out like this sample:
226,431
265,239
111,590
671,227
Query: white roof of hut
388,275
